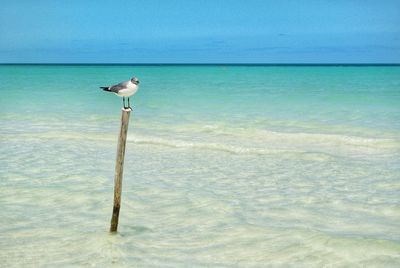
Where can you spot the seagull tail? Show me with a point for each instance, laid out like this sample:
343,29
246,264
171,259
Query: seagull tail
106,88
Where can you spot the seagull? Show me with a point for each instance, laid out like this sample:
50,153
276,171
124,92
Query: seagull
124,89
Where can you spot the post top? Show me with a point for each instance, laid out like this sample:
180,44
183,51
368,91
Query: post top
126,109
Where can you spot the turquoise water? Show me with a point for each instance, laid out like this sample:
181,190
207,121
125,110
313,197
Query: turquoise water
226,166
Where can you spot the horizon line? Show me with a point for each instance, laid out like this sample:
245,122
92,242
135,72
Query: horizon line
211,64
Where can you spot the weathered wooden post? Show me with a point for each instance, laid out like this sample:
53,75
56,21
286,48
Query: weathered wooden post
119,168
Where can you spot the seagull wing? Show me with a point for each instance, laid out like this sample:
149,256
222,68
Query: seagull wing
118,87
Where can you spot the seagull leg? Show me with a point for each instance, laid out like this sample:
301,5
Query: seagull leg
123,101
129,105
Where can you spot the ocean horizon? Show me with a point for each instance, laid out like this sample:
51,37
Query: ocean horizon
226,165
207,64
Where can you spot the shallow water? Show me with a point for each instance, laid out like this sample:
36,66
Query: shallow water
226,166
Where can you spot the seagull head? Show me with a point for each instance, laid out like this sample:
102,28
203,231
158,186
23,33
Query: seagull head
135,80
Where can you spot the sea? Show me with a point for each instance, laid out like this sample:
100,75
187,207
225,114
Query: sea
225,166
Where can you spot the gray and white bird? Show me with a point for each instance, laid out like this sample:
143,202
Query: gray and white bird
124,89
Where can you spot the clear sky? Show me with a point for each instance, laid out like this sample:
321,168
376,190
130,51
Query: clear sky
196,31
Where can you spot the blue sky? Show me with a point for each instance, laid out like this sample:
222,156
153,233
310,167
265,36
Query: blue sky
213,31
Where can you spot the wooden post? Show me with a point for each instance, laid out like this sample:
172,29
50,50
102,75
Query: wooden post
119,168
